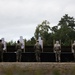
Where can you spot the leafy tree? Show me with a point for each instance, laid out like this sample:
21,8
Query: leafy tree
11,43
65,30
67,21
31,42
37,31
43,29
54,29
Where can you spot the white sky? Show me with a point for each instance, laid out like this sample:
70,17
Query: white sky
20,17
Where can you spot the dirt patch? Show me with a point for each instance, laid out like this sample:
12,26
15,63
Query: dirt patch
36,68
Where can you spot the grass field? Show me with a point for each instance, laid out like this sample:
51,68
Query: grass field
37,68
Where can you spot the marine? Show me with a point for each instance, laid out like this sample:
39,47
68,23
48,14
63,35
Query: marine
19,51
38,49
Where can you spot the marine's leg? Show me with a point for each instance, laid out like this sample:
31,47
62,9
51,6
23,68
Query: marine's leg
17,56
36,55
56,57
59,56
39,57
1,56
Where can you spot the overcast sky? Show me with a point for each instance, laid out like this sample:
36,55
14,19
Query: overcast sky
20,17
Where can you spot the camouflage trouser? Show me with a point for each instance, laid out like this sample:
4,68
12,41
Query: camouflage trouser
1,55
18,55
37,54
57,56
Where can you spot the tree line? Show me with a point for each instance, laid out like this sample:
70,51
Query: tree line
64,31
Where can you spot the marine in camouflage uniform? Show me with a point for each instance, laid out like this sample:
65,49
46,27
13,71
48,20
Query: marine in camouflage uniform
19,51
38,50
57,50
1,50
73,47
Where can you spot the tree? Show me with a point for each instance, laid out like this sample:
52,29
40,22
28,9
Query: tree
30,42
43,29
54,29
11,43
67,21
66,29
37,31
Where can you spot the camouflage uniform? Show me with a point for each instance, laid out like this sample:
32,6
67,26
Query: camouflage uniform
1,50
19,51
38,49
57,52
